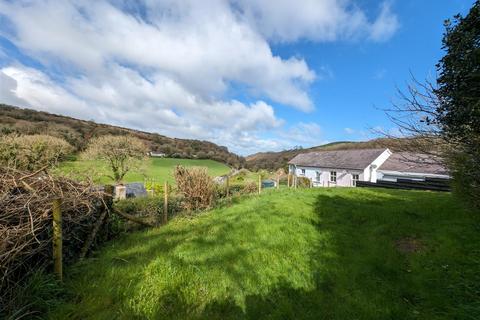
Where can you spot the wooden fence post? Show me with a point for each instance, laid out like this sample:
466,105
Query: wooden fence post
227,183
295,182
288,180
165,203
278,181
259,183
57,239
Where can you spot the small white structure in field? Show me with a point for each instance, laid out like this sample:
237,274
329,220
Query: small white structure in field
157,154
120,192
341,168
344,168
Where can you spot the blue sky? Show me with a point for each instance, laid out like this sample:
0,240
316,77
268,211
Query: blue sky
254,76
365,76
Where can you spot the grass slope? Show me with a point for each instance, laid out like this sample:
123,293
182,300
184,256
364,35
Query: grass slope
160,169
304,254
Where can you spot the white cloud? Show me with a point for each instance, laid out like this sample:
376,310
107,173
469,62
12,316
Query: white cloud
385,25
317,20
218,121
202,49
33,88
8,91
170,68
349,130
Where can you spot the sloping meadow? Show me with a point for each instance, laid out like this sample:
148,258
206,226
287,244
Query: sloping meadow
291,254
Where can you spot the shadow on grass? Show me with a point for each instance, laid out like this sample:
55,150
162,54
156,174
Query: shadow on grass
280,259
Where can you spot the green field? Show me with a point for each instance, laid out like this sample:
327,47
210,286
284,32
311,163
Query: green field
160,169
291,254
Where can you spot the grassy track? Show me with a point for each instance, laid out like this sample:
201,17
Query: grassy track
158,168
304,254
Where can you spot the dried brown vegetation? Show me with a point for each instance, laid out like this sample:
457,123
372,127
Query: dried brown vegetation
26,222
250,187
196,187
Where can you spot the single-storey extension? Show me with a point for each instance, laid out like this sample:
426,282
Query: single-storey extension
345,167
411,166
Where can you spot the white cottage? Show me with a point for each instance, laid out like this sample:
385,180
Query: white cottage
341,168
344,168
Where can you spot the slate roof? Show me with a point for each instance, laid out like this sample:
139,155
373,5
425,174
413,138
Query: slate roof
414,162
340,159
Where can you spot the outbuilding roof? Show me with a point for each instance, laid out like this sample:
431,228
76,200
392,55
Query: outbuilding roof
358,159
414,163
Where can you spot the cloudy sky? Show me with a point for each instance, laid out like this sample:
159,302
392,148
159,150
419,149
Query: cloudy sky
250,75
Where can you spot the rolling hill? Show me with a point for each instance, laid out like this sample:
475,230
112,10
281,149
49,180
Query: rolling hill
78,132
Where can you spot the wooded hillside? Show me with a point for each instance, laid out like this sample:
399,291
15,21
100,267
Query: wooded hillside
79,132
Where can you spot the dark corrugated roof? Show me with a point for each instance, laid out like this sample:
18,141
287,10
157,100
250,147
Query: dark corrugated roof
341,159
414,162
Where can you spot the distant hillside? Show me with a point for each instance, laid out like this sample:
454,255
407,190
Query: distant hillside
78,132
276,160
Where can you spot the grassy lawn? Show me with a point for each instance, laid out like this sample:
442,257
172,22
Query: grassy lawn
158,168
292,254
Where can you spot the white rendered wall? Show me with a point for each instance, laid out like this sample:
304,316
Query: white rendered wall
344,177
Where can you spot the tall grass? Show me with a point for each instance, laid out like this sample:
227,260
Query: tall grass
34,297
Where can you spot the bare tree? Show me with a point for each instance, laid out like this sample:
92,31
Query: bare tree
415,113
122,153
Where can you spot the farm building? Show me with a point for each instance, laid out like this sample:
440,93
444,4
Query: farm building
344,168
157,154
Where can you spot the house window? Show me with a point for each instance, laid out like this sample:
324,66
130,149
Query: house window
303,172
354,179
333,176
318,175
